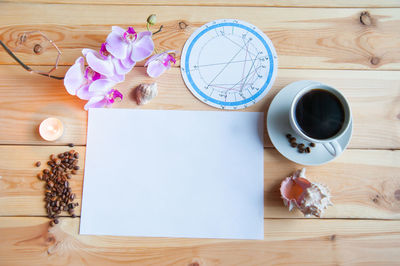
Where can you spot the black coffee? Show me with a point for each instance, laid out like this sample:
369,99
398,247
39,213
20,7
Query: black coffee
320,114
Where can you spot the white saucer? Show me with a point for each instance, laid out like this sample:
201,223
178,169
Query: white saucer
278,126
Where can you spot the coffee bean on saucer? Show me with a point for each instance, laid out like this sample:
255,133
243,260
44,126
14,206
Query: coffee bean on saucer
288,136
312,144
301,145
307,150
293,144
292,139
301,150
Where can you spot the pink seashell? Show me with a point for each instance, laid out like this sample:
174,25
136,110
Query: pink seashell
309,198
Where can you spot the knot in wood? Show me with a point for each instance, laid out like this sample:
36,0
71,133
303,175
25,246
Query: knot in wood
182,25
365,18
375,60
37,49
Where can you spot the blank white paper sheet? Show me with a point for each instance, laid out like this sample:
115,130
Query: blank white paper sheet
174,174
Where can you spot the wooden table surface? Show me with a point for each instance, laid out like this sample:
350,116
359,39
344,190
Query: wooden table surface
320,40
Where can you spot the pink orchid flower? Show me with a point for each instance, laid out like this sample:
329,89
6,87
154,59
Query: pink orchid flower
159,63
129,46
86,82
104,99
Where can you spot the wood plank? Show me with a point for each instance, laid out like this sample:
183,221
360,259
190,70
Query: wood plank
26,99
331,38
260,3
364,183
298,242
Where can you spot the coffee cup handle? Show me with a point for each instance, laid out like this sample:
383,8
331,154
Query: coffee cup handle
333,148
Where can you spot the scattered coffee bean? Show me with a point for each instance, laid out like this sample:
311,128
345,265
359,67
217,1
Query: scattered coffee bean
40,176
301,147
71,145
73,215
58,193
38,164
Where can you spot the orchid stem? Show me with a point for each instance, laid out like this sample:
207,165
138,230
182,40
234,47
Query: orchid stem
26,67
159,30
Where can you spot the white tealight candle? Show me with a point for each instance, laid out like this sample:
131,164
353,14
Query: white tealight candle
51,129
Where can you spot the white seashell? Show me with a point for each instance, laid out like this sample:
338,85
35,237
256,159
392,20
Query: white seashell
309,198
145,92
316,199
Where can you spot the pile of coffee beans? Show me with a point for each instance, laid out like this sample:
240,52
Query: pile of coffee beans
301,147
58,193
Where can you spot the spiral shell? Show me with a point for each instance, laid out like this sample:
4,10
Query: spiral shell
145,92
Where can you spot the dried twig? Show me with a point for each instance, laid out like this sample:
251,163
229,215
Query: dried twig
22,39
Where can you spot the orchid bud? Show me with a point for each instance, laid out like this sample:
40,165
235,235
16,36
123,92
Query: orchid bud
152,19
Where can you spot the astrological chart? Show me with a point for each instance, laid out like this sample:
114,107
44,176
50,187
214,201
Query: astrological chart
229,64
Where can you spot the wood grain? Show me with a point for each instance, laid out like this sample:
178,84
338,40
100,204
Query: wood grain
27,99
287,241
320,38
363,183
259,3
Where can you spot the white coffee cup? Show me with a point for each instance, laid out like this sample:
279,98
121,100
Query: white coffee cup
331,144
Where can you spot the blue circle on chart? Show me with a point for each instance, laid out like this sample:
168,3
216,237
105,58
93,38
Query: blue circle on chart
247,98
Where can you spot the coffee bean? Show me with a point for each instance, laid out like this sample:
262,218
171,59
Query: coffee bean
56,221
72,197
76,167
52,157
69,176
308,150
301,150
38,164
58,161
71,145
288,136
312,144
293,139
73,172
73,215
301,145
40,176
71,152
293,144
66,184
76,155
